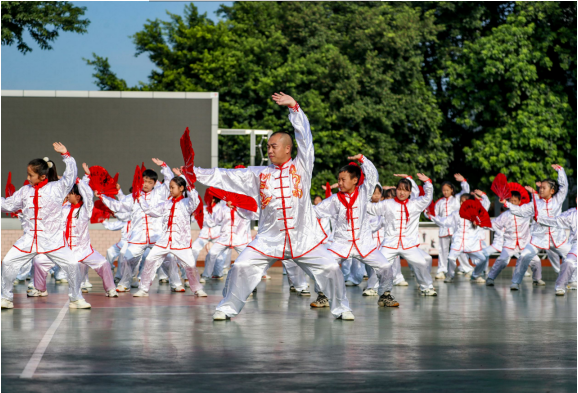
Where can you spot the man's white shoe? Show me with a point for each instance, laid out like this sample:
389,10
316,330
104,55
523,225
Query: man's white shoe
429,292
347,316
86,284
573,286
84,290
163,280
460,272
178,288
111,293
140,293
79,304
202,280
349,284
219,316
201,293
479,279
560,292
538,283
402,284
135,282
122,288
7,303
370,292
440,276
514,287
36,293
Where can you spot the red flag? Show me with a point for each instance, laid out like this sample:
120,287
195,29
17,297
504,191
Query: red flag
137,183
189,157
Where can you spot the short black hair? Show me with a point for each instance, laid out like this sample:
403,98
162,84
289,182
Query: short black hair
150,174
516,194
553,185
75,191
378,187
450,185
353,170
405,184
389,193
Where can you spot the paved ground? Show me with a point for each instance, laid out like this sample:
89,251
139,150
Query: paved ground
470,338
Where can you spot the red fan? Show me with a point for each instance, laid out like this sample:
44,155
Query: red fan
327,190
142,168
240,167
421,191
137,183
189,157
474,211
238,200
198,213
101,181
431,209
9,191
209,200
500,187
100,212
523,192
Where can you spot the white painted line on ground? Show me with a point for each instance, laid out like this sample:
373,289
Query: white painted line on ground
305,372
39,352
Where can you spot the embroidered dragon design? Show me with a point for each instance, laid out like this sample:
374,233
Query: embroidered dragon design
264,199
297,191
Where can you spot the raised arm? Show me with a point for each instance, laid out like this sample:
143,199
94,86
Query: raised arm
327,208
163,190
464,184
86,193
563,183
242,181
483,198
423,202
66,182
193,201
369,172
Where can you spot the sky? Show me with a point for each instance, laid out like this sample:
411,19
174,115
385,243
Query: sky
62,68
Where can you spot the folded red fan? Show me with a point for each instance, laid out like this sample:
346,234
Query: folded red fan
142,168
421,191
327,190
137,183
238,200
500,186
520,189
100,213
9,191
431,209
189,157
474,211
198,213
101,181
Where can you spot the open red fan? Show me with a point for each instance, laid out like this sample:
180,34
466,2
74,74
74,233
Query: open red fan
100,212
101,181
198,213
421,191
238,200
137,183
9,191
327,190
500,186
431,209
189,157
523,192
474,211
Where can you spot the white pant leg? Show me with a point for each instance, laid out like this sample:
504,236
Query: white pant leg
100,265
59,274
523,263
479,260
414,258
197,246
465,264
112,254
567,272
186,259
357,271
382,267
536,267
346,265
443,253
162,273
296,276
132,258
210,262
372,282
554,259
222,259
428,260
42,265
171,267
452,264
501,262
121,261
396,271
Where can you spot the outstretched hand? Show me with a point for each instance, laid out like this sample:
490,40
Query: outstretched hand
177,172
356,157
388,187
59,147
459,177
400,175
479,193
86,169
97,194
530,189
158,162
283,99
422,177
556,167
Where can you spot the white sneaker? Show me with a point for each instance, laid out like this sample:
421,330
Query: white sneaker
305,292
402,284
478,279
187,285
36,293
429,292
572,286
347,316
468,274
79,304
349,284
16,282
460,272
201,293
370,292
220,316
31,284
163,280
226,271
135,282
514,287
265,277
86,284
63,280
560,292
178,288
7,303
538,283
84,290
122,288
527,274
202,280
448,279
140,293
111,293
440,276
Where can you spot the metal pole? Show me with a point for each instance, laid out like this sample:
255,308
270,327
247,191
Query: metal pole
253,143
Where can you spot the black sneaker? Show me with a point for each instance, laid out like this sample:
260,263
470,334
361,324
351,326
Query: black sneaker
387,300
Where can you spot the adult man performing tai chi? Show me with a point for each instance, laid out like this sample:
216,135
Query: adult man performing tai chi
288,227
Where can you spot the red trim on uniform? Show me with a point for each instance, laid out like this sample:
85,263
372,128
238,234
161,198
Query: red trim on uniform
65,154
88,254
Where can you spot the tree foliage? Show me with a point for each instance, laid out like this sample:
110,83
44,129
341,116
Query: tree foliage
435,87
42,19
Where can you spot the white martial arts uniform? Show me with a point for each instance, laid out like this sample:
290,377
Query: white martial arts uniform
41,205
175,237
144,230
443,208
114,252
288,228
352,234
545,238
568,268
209,234
402,231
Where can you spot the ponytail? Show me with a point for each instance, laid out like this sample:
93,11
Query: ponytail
180,182
44,167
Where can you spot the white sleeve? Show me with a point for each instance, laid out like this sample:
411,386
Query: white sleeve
68,179
242,181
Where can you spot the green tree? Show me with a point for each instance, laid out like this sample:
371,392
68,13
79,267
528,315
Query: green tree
42,19
354,67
